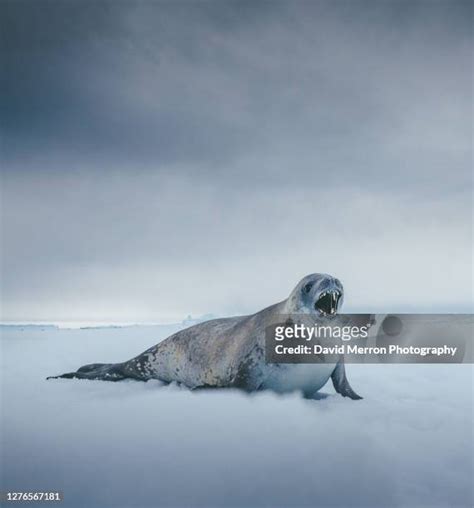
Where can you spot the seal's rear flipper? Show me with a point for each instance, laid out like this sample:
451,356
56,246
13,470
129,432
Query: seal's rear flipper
340,382
98,371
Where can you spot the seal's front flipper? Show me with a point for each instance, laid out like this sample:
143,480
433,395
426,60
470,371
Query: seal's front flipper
98,371
340,382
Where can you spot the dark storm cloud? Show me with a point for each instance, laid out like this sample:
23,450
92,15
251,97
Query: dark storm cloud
162,82
74,73
148,146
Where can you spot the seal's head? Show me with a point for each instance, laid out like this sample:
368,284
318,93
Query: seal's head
318,293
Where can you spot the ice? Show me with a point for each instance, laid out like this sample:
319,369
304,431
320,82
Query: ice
409,443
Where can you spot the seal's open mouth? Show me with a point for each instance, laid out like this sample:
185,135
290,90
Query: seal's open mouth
327,303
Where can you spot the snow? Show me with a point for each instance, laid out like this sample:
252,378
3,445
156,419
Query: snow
408,443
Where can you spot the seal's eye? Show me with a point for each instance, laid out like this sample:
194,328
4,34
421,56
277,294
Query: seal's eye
307,287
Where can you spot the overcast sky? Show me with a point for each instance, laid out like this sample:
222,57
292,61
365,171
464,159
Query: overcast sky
161,159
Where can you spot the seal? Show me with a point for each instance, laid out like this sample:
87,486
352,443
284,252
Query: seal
230,352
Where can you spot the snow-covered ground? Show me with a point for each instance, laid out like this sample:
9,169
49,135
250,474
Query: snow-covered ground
127,444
